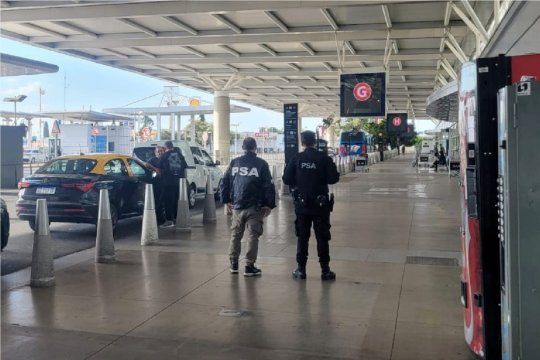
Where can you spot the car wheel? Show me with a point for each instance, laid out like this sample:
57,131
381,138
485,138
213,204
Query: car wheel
192,196
5,236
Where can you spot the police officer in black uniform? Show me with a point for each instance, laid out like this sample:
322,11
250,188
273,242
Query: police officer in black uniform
308,174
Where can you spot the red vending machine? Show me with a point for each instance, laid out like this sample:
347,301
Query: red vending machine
480,80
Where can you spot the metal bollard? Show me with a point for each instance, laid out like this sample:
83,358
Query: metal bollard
209,212
149,232
183,219
42,272
104,236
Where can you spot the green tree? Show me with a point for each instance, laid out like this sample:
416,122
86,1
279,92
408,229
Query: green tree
147,122
201,126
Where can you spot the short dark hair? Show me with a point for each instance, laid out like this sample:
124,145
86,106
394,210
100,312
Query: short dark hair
308,138
169,144
249,144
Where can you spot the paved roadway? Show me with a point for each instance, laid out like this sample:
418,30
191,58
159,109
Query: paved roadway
69,238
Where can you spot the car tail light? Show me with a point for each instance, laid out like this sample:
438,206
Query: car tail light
84,187
23,185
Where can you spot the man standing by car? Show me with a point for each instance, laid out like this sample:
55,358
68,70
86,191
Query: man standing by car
248,190
308,174
172,166
153,164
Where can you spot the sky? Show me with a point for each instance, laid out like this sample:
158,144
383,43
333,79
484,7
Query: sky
83,85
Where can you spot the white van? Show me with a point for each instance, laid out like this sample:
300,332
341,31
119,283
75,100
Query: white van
34,155
199,163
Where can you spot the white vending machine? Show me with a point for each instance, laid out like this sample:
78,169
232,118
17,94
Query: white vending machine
519,219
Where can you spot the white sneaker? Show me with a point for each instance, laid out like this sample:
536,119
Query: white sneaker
167,224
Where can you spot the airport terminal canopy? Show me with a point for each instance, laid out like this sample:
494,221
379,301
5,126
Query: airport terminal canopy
11,65
82,116
267,53
173,110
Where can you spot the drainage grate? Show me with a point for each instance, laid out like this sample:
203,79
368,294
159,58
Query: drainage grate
428,260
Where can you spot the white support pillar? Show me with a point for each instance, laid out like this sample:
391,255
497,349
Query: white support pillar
222,125
331,136
158,126
179,126
171,127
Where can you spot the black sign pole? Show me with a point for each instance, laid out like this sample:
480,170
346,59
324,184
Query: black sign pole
290,116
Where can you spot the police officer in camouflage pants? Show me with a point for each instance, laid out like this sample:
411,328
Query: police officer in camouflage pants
248,190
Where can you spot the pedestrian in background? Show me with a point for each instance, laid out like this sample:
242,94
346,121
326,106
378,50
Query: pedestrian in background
153,164
308,174
172,166
247,189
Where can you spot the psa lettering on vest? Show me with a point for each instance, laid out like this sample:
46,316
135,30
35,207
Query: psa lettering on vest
244,171
308,166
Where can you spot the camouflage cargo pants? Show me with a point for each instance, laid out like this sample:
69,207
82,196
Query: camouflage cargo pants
252,219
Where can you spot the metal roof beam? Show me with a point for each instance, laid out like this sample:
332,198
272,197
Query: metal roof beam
227,22
330,19
230,50
138,26
76,28
53,33
308,48
258,36
284,57
157,8
276,20
181,25
144,53
416,71
386,15
480,32
268,49
194,51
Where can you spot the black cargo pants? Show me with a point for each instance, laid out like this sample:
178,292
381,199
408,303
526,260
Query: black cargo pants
321,224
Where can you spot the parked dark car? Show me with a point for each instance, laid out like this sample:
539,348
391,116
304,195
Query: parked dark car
71,185
4,223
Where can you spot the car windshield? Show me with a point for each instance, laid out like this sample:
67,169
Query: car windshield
68,166
146,153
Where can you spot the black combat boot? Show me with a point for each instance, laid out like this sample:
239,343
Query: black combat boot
251,270
299,273
326,273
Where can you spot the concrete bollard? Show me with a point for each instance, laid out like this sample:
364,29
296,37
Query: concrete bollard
284,188
183,219
42,271
149,232
209,212
104,236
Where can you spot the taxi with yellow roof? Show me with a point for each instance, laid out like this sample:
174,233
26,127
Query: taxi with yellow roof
71,185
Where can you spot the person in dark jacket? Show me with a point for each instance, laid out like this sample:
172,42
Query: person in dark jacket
172,166
153,164
308,174
248,190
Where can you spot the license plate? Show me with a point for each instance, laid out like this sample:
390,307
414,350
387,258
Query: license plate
45,190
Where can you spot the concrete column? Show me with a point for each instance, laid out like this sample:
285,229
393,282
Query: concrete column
179,126
331,136
158,126
171,126
222,126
